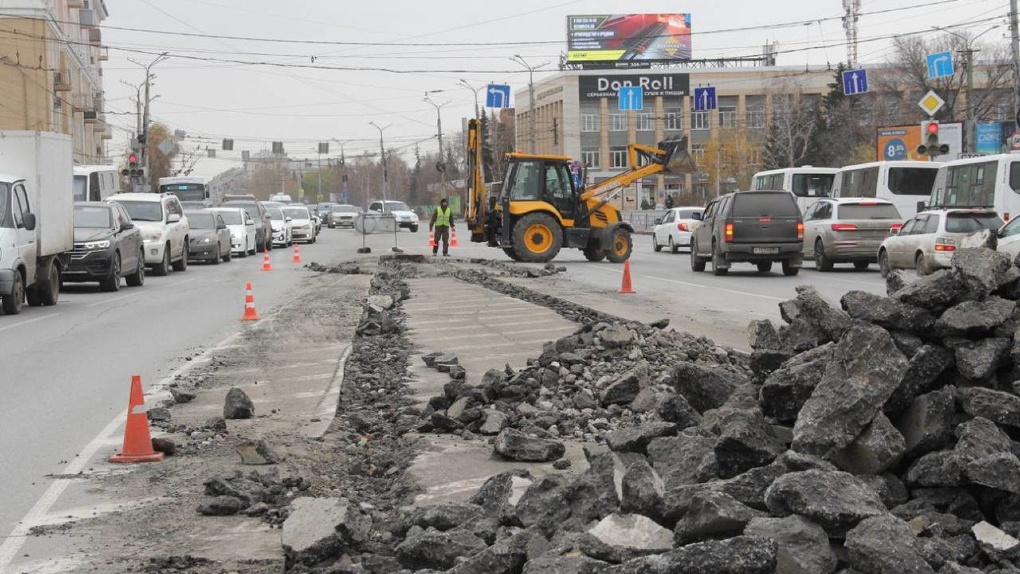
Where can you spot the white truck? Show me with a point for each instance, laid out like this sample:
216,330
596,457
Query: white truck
36,217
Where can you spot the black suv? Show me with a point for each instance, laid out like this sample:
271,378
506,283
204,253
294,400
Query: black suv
759,227
107,246
258,214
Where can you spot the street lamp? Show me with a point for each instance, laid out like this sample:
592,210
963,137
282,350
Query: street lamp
145,114
531,94
440,165
474,91
382,160
968,53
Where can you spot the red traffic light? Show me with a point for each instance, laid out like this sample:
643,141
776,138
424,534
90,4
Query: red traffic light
132,158
933,128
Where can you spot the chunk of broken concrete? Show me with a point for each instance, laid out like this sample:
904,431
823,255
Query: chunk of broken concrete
237,405
256,452
513,444
837,501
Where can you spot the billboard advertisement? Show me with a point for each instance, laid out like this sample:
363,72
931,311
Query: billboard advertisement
992,137
653,85
628,38
900,142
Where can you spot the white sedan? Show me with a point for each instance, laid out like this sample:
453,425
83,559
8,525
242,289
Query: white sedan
242,229
301,225
675,228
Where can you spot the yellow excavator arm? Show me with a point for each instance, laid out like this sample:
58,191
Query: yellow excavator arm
669,156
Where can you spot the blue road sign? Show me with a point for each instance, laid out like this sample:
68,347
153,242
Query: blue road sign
497,96
704,99
855,82
631,98
940,65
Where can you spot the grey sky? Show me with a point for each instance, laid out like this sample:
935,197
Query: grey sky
258,104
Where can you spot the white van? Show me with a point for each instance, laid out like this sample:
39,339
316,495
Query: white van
807,182
990,182
904,183
94,182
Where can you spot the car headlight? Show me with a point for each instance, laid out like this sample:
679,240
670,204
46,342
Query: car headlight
98,244
207,240
152,235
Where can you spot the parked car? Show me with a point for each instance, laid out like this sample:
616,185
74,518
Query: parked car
760,227
107,246
195,205
242,229
1009,239
400,211
675,228
282,198
282,234
210,237
164,228
928,241
302,227
342,216
257,212
847,230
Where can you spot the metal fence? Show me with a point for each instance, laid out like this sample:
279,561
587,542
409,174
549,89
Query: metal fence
643,220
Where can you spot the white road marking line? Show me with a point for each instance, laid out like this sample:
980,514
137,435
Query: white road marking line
40,510
734,291
34,320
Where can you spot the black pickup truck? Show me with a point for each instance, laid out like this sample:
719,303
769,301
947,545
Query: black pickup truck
760,227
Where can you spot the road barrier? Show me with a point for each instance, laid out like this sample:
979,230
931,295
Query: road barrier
297,255
625,286
266,265
250,314
137,440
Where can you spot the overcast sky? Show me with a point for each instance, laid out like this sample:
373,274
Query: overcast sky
204,91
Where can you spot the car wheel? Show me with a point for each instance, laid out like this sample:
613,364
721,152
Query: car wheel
537,237
414,229
920,265
46,292
112,281
228,255
13,303
33,298
594,253
862,265
655,244
621,246
673,247
163,267
137,279
182,263
789,270
697,263
717,261
883,263
217,256
822,262
765,267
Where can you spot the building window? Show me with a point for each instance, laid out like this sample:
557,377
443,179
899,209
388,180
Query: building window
700,121
645,123
589,122
755,117
697,152
673,121
617,157
727,116
590,157
617,122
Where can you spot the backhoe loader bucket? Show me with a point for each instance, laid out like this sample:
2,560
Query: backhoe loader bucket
677,159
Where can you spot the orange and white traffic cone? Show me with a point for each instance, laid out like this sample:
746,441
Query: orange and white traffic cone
137,440
453,237
432,239
250,314
625,287
297,255
266,265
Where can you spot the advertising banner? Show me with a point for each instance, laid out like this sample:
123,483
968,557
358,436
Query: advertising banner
898,143
992,136
628,38
608,85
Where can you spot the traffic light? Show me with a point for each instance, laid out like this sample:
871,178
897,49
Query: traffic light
932,146
133,169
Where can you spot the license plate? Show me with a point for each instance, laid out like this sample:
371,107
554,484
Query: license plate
766,251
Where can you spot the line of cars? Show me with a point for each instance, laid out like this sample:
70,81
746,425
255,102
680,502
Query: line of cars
344,215
766,227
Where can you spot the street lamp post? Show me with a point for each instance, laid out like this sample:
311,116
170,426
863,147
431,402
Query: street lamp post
382,160
474,91
145,114
440,165
531,96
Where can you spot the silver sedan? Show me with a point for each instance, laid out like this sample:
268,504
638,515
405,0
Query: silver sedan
847,230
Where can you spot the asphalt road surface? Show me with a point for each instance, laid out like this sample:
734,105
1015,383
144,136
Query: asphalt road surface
67,369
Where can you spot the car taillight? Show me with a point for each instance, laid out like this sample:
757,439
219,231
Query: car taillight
764,220
1005,216
895,228
682,226
800,231
728,231
944,244
844,227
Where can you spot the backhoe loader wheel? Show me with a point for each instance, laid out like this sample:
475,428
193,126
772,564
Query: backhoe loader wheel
511,253
537,237
594,253
621,246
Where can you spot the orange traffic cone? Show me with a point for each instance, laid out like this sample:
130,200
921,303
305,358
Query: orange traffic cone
432,239
266,265
625,287
453,237
297,255
137,441
250,314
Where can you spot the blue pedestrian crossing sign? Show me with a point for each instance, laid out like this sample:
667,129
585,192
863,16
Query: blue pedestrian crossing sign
940,65
704,99
497,96
631,98
855,82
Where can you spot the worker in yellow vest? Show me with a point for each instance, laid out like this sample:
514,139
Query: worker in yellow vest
442,221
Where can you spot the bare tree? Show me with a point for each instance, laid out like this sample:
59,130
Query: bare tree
792,126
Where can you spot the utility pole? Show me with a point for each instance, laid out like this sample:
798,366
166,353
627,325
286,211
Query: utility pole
144,133
531,97
382,160
970,117
1014,29
440,165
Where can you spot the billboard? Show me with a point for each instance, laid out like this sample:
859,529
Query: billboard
608,85
992,137
900,142
628,38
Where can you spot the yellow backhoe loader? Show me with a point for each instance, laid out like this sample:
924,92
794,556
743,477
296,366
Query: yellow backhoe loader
538,209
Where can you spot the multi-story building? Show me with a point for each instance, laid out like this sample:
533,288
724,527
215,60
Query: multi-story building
51,75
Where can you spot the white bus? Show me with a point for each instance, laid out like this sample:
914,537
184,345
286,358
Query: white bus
808,183
904,183
94,182
186,188
991,182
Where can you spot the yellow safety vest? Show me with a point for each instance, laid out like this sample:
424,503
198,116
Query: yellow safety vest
442,219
